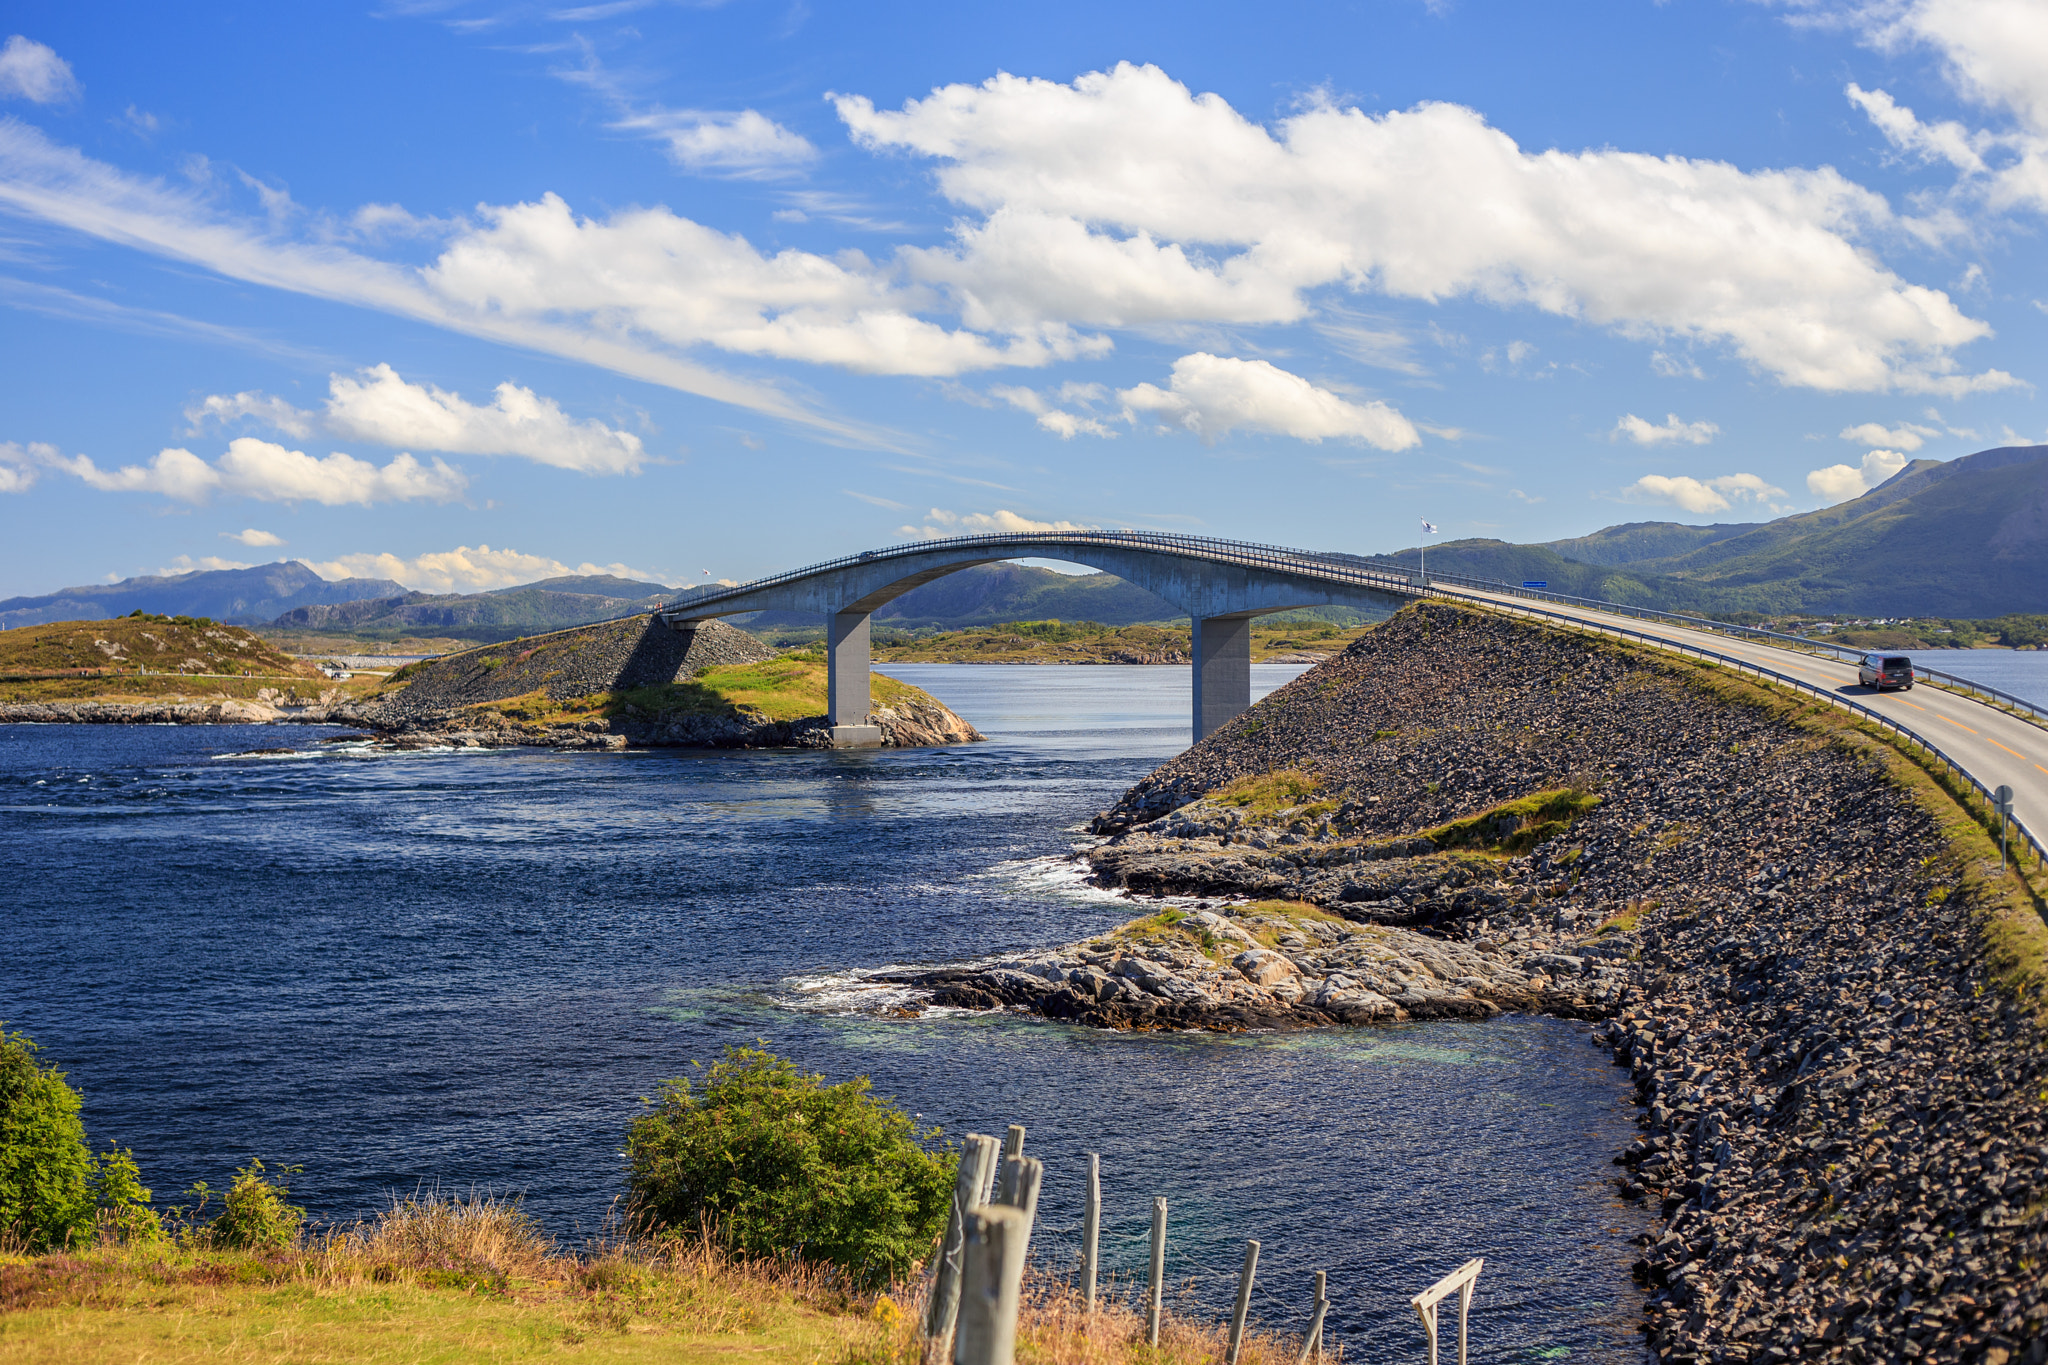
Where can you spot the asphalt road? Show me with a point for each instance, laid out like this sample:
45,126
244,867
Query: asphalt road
1993,746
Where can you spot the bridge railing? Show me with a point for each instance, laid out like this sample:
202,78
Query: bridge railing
2026,835
1212,549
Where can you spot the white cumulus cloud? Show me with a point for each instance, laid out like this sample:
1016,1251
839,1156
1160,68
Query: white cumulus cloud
1994,54
1124,198
20,464
939,522
1703,495
268,472
465,569
1904,436
33,72
379,405
1673,431
1213,396
1841,482
253,538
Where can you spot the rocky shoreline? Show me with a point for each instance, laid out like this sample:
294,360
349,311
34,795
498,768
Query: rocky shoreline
447,703
1845,1110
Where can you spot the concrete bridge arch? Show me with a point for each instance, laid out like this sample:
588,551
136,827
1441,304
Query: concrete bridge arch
1222,585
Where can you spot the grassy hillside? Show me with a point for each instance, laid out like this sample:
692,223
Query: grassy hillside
482,618
1967,538
141,657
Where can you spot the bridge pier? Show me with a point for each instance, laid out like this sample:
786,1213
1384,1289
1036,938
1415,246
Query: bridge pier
1223,671
848,699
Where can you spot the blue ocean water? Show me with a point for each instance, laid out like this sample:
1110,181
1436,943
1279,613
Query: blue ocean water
465,968
2021,672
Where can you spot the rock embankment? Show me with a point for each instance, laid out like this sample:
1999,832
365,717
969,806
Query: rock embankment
1845,1108
613,656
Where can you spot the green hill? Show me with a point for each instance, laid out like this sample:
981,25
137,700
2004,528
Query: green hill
1965,538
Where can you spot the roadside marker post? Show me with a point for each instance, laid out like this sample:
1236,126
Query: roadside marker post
2001,801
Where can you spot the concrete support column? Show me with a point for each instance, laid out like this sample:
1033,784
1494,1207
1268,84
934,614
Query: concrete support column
846,672
1223,671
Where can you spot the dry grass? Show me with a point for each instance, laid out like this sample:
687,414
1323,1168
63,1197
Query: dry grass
1053,1328
435,1279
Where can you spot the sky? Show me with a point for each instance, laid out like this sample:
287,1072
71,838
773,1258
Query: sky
468,293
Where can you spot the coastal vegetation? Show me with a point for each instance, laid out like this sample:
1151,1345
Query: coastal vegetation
775,1164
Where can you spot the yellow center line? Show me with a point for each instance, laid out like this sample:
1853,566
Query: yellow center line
1916,706
2014,752
1960,726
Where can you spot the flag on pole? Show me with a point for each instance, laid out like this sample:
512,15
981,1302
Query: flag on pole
1428,528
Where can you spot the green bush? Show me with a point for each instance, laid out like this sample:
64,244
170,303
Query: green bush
776,1163
53,1193
253,1214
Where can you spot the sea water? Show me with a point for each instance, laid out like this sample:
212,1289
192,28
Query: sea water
464,969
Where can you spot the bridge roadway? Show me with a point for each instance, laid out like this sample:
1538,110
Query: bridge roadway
1222,585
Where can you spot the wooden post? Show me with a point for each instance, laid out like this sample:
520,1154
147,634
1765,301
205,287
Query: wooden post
1244,1300
1013,1141
1091,1230
1312,1342
977,1158
1155,1291
1022,1176
992,1271
1462,1279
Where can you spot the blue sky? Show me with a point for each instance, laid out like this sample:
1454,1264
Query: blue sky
467,294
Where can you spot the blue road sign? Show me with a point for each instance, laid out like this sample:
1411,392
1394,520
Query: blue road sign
1539,583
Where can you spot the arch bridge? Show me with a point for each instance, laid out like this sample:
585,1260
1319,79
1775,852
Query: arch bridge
1221,584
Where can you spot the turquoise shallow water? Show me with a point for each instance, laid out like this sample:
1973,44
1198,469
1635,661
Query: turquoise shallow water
466,967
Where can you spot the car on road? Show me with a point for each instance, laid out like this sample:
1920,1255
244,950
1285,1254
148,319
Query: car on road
1886,670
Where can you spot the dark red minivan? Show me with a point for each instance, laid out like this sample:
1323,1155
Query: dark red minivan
1886,670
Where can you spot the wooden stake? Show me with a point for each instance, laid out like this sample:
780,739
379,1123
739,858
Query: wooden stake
1013,1141
992,1270
1018,1189
1155,1294
1244,1300
977,1160
1312,1342
1091,1230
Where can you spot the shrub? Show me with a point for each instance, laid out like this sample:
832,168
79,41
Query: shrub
253,1213
53,1193
774,1163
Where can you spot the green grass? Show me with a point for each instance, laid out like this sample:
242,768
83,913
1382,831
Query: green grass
791,687
1268,793
1519,825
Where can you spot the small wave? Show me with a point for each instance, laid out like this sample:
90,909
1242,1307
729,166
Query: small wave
850,992
270,754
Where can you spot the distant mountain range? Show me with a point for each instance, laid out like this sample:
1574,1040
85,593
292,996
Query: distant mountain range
1965,538
501,614
244,596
